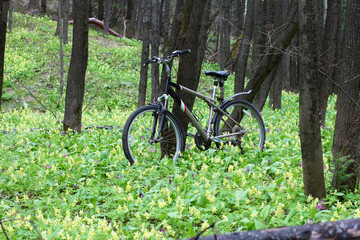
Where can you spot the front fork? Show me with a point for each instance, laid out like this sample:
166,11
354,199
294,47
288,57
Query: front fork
161,112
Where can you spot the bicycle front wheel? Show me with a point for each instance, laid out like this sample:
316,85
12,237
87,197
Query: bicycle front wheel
141,139
240,125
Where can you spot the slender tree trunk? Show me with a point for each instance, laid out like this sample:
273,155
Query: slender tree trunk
107,17
61,34
10,21
244,48
347,125
66,19
258,34
43,6
221,35
328,54
139,20
79,56
294,76
310,138
155,44
239,15
276,88
101,10
33,4
4,8
144,54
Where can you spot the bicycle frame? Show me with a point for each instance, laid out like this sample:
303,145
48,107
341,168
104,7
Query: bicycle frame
205,134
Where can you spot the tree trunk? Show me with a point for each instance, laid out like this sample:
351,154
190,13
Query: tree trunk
33,4
239,15
343,229
165,22
4,8
327,56
258,34
144,54
347,126
244,48
107,17
10,21
76,78
273,55
61,53
155,44
310,137
43,6
66,19
193,36
101,10
221,35
294,76
276,88
139,20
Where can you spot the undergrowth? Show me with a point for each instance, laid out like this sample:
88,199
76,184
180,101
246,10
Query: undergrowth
80,185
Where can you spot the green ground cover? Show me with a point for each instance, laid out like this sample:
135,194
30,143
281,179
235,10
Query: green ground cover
80,186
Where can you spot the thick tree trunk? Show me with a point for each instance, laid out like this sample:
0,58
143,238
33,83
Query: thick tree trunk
193,36
347,126
310,137
76,78
258,34
344,229
144,54
4,7
244,48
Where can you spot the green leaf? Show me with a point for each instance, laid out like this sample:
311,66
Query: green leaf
259,224
290,215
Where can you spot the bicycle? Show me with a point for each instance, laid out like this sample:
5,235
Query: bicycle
152,131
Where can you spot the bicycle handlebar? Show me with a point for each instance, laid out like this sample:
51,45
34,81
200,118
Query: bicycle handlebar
175,53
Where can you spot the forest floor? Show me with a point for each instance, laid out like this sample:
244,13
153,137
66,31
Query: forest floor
81,186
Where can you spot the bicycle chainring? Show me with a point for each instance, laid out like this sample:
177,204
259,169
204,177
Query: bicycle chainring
201,143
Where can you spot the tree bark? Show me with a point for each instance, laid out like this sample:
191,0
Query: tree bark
76,78
193,36
310,137
347,126
107,17
10,21
61,53
276,88
244,48
43,6
327,56
155,44
144,54
344,229
33,4
101,10
4,8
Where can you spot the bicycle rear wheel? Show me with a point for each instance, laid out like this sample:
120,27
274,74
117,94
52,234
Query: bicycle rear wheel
242,126
141,131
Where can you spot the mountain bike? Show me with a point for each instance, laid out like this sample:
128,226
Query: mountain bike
153,132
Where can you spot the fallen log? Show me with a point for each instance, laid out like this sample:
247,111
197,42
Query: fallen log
100,24
343,229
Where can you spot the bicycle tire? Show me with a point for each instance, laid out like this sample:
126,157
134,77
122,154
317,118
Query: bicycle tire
251,125
137,133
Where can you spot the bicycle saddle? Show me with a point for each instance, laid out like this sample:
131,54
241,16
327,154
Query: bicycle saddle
218,74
